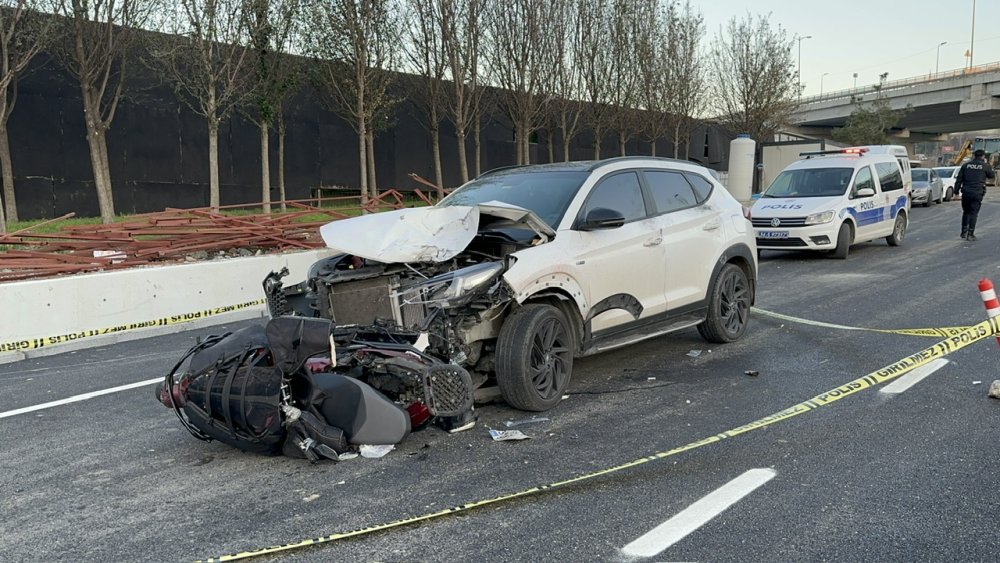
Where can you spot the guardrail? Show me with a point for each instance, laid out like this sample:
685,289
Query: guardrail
899,84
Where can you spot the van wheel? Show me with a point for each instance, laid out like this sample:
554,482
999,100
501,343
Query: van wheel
534,359
728,306
898,231
844,240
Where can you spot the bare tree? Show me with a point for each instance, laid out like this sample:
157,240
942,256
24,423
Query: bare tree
566,79
97,36
205,58
461,37
515,33
653,51
686,71
355,42
628,21
426,58
595,64
753,76
271,25
24,32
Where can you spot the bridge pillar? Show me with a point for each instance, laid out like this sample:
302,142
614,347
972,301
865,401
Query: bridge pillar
979,100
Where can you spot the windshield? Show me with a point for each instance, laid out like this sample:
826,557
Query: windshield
920,174
546,193
811,182
945,172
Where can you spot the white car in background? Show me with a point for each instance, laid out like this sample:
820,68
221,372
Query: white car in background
947,175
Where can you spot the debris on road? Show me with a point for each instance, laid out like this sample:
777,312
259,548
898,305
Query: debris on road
532,420
751,372
694,353
375,452
995,389
977,382
310,498
507,435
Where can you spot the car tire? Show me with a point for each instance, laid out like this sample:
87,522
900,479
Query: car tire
844,240
898,231
940,198
534,358
728,306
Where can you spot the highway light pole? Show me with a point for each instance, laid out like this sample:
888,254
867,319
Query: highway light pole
799,72
821,83
972,42
937,60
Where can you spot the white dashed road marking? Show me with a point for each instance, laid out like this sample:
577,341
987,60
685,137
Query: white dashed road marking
77,398
691,518
908,380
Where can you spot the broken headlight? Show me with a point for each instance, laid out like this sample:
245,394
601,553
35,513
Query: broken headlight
454,288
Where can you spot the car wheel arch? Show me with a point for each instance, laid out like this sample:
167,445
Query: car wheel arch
741,256
561,299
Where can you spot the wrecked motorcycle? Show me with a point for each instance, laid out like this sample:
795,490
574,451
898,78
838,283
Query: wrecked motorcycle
305,388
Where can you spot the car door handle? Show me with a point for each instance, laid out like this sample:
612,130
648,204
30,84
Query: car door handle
653,241
712,226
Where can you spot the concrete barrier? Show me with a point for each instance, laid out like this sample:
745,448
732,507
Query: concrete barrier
56,315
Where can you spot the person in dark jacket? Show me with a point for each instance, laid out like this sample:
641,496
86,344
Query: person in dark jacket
971,183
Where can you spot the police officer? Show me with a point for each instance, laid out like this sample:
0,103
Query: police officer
971,183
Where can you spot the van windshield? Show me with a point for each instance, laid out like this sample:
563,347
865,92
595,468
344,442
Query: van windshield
811,182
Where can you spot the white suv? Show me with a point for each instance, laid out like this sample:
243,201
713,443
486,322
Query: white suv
524,268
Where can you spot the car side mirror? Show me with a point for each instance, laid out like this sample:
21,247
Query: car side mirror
602,218
865,192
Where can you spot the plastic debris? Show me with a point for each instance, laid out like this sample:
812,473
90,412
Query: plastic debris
650,379
694,353
374,452
564,397
532,420
505,435
751,372
310,498
976,382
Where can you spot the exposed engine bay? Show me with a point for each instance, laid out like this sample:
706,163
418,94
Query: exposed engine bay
450,309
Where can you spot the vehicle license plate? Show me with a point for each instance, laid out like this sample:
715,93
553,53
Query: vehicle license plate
772,234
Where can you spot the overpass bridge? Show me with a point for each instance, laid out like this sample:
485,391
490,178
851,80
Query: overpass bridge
946,102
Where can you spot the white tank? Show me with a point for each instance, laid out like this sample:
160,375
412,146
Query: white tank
741,167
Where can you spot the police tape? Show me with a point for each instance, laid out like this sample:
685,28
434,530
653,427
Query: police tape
35,343
942,332
955,342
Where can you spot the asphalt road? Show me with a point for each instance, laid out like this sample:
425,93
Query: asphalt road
872,477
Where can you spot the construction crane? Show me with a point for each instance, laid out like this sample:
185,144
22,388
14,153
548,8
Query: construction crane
963,153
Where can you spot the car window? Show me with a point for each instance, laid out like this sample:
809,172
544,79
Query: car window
888,176
810,182
670,191
919,174
546,193
620,192
702,187
863,180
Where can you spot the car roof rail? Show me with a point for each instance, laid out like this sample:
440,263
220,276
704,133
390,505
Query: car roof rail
500,169
630,158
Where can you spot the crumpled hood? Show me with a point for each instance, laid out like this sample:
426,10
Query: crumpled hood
421,234
792,206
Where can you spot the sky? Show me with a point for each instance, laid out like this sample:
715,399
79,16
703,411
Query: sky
871,37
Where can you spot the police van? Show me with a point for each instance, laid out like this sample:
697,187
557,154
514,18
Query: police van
829,200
